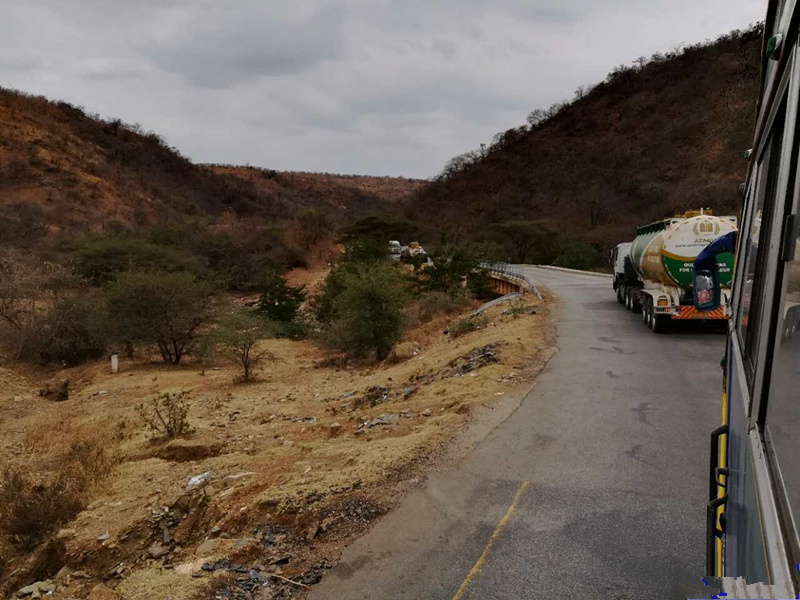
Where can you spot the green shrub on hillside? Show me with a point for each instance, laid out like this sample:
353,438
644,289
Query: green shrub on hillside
242,258
579,256
280,301
381,227
324,303
479,285
360,254
451,267
100,260
365,250
366,314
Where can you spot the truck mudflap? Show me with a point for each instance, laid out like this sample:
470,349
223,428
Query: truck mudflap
690,312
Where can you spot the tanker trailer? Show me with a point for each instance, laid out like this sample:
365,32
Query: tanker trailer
662,254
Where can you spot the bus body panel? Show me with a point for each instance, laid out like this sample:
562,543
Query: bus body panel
744,544
759,542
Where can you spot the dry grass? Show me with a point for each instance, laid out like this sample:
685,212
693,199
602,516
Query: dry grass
33,504
293,432
152,583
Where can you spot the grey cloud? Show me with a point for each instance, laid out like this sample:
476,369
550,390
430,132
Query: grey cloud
444,48
542,12
218,48
460,96
369,86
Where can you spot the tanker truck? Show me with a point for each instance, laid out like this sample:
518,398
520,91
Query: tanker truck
660,268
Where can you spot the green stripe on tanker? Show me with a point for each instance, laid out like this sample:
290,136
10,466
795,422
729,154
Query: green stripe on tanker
665,251
680,268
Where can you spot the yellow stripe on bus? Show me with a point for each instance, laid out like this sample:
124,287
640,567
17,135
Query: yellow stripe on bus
721,458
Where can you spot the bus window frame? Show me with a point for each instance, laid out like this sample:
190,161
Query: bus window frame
771,505
790,521
787,93
782,199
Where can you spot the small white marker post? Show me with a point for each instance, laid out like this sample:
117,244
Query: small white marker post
114,363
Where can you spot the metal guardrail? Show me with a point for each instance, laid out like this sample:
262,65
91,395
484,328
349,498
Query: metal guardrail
512,272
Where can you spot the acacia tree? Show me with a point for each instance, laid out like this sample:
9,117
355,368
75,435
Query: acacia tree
168,310
239,334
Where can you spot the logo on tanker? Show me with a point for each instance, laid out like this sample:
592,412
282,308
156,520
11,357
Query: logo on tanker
706,227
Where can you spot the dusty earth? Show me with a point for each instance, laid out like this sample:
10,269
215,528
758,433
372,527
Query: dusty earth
297,464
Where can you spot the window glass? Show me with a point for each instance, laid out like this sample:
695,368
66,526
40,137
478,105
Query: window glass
783,409
749,267
755,241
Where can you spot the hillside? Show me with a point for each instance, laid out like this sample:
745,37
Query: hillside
62,168
356,194
650,141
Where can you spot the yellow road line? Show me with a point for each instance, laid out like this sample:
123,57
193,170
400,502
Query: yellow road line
497,531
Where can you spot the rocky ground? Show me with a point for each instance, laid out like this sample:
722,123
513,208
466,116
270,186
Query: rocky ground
278,475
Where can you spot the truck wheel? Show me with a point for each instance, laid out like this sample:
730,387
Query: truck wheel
635,304
620,299
645,313
659,323
628,298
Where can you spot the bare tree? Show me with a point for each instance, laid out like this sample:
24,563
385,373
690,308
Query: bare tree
537,117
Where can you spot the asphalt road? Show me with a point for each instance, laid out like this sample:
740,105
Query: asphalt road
613,441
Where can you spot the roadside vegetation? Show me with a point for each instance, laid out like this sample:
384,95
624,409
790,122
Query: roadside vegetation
287,443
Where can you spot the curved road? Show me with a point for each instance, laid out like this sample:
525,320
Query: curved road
613,441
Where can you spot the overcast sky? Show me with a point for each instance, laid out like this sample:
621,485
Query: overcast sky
377,87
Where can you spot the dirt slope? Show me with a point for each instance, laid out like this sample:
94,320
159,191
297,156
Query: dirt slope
296,472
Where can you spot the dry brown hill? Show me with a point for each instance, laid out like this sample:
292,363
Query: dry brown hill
391,189
651,140
356,194
62,168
